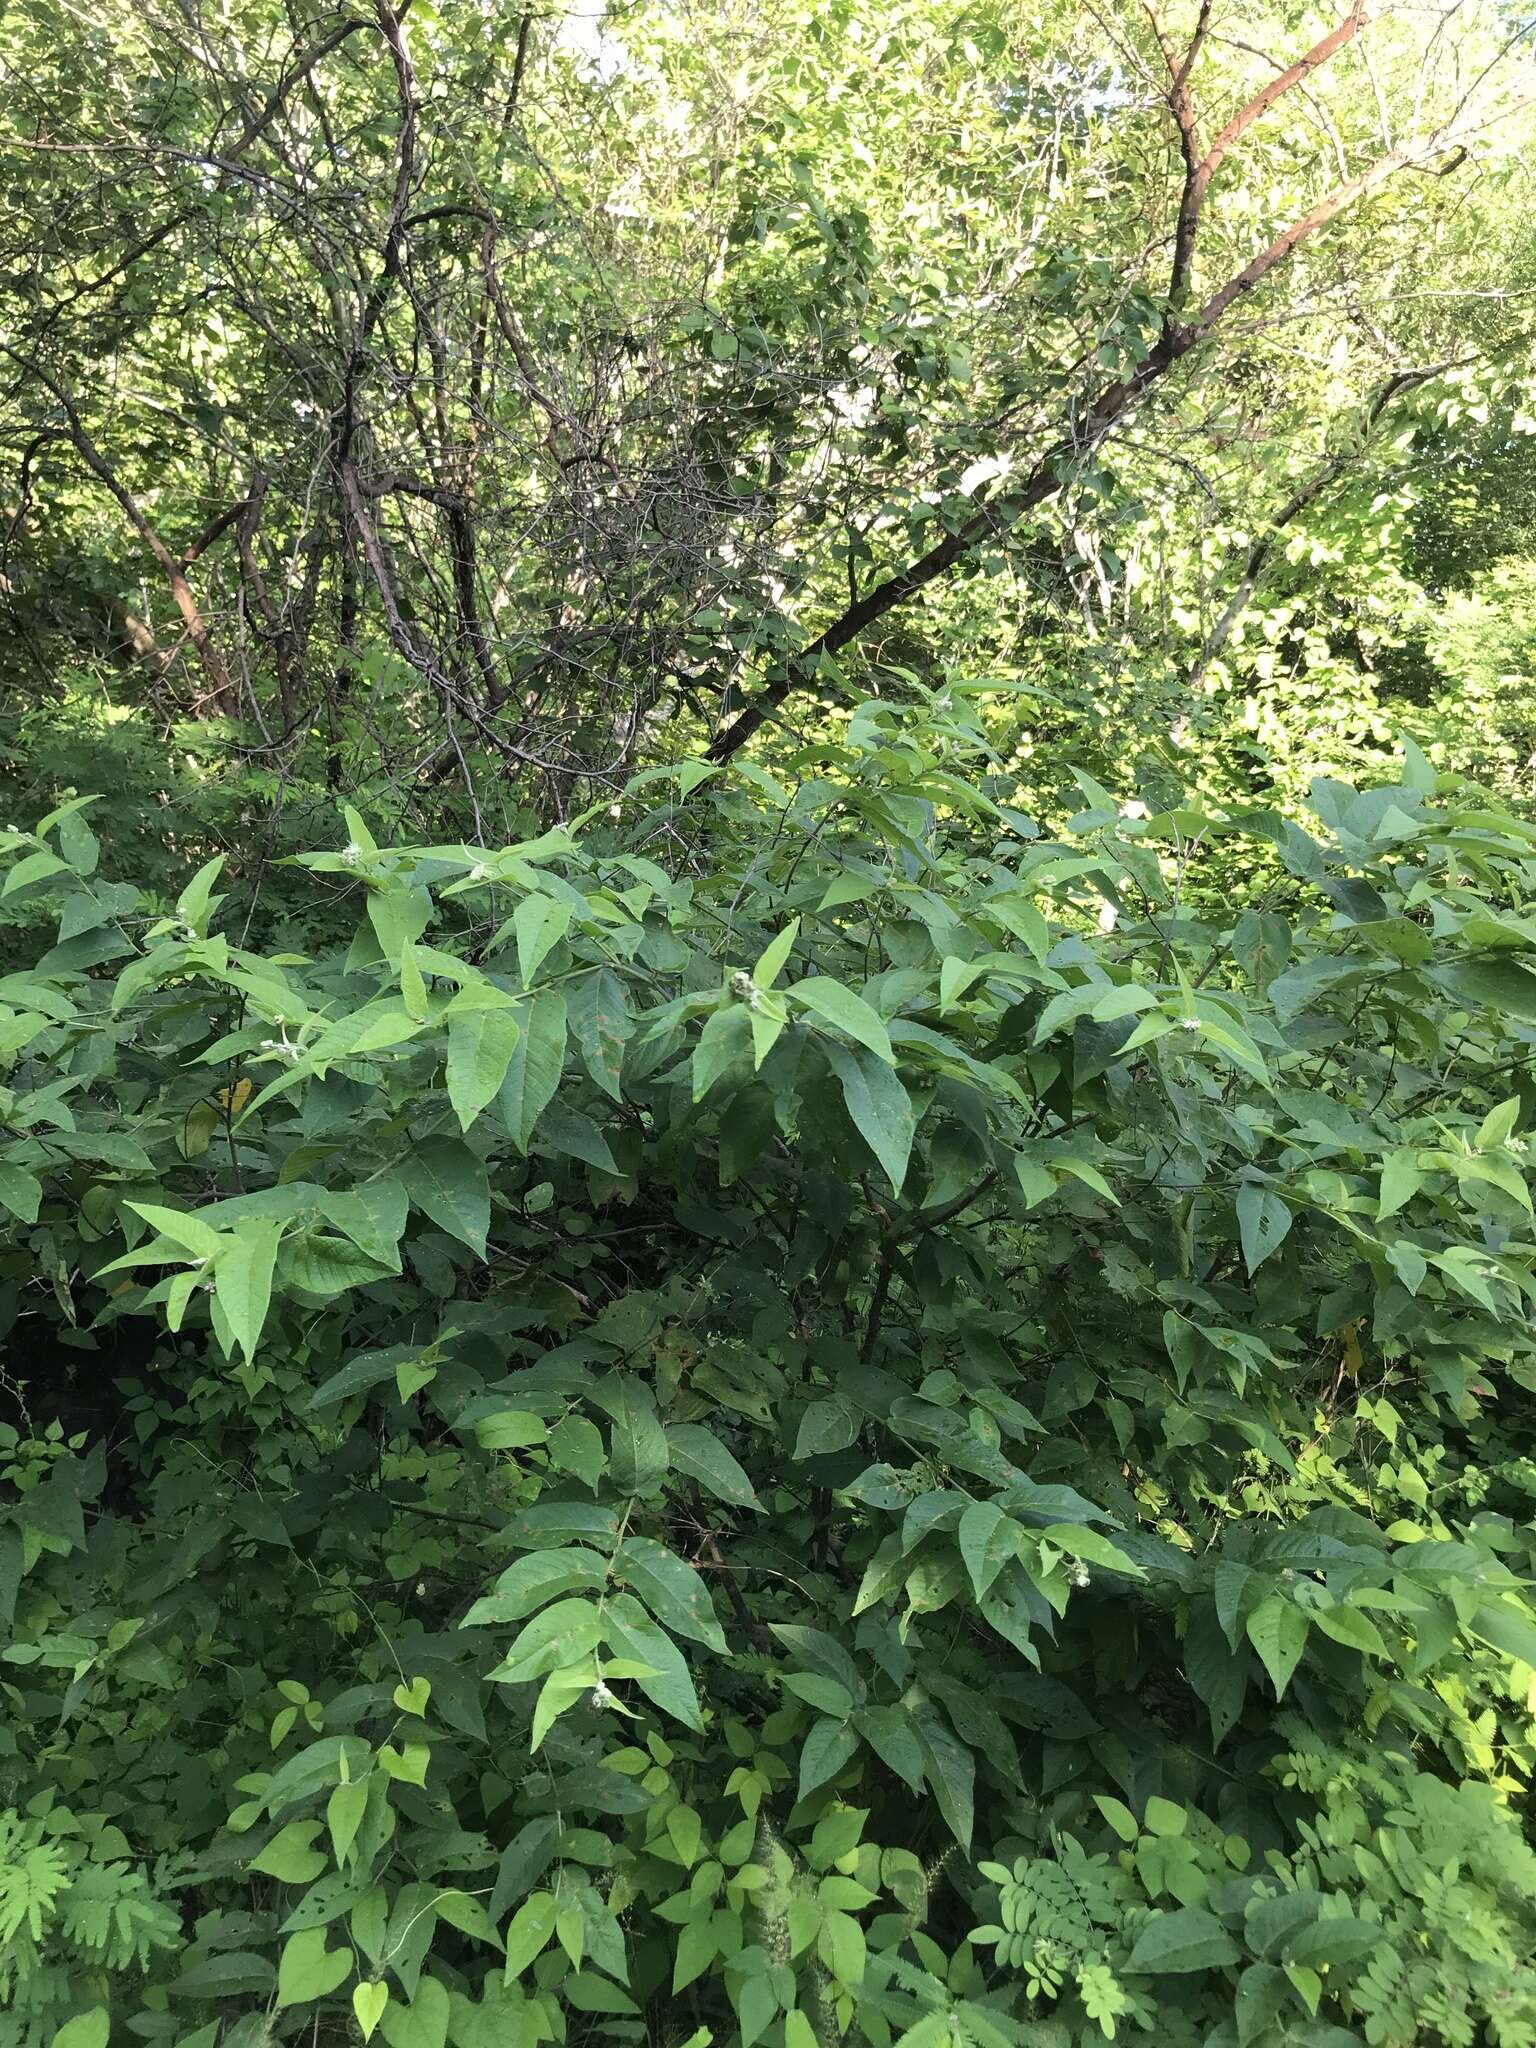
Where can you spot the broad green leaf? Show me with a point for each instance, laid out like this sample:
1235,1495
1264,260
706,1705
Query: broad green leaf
673,1591
20,1192
1492,983
85,2030
344,1816
533,1071
576,1445
1278,1631
724,1046
196,901
481,1043
601,1024
826,1749
448,1182
421,2024
950,1769
879,1105
291,1856
771,961
528,1934
308,1970
1182,1942
638,1454
889,1733
1507,1629
1263,1221
540,923
632,1633
1119,1816
1401,1180
35,867
1164,1818
824,1694
700,1453
242,1277
987,1539
850,1013
510,1429
1347,1625
368,2003
198,1238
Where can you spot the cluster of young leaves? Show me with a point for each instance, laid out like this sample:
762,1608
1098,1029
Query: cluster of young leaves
687,1421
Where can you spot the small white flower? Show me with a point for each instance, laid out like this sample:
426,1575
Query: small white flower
1190,1023
601,1696
352,851
1078,1574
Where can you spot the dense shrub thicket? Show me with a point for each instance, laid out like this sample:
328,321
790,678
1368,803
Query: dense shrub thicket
788,1414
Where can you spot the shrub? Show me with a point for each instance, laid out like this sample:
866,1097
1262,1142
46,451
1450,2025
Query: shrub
799,1415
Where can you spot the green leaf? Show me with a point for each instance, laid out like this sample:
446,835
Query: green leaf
889,1733
344,1815
1503,1626
1278,1631
850,1013
1263,1222
638,1454
20,1192
576,1445
673,1591
824,1694
448,1182
700,1453
85,2030
1492,983
242,1278
421,2024
951,1772
537,1062
510,1429
194,1236
1179,1943
771,961
632,1632
1119,1816
291,1856
1400,1182
724,1046
35,867
987,1539
828,1747
565,1131
481,1043
1347,1625
528,1935
540,923
825,1426
1164,1818
368,2003
532,1580
197,899
308,1970
879,1105
601,1024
